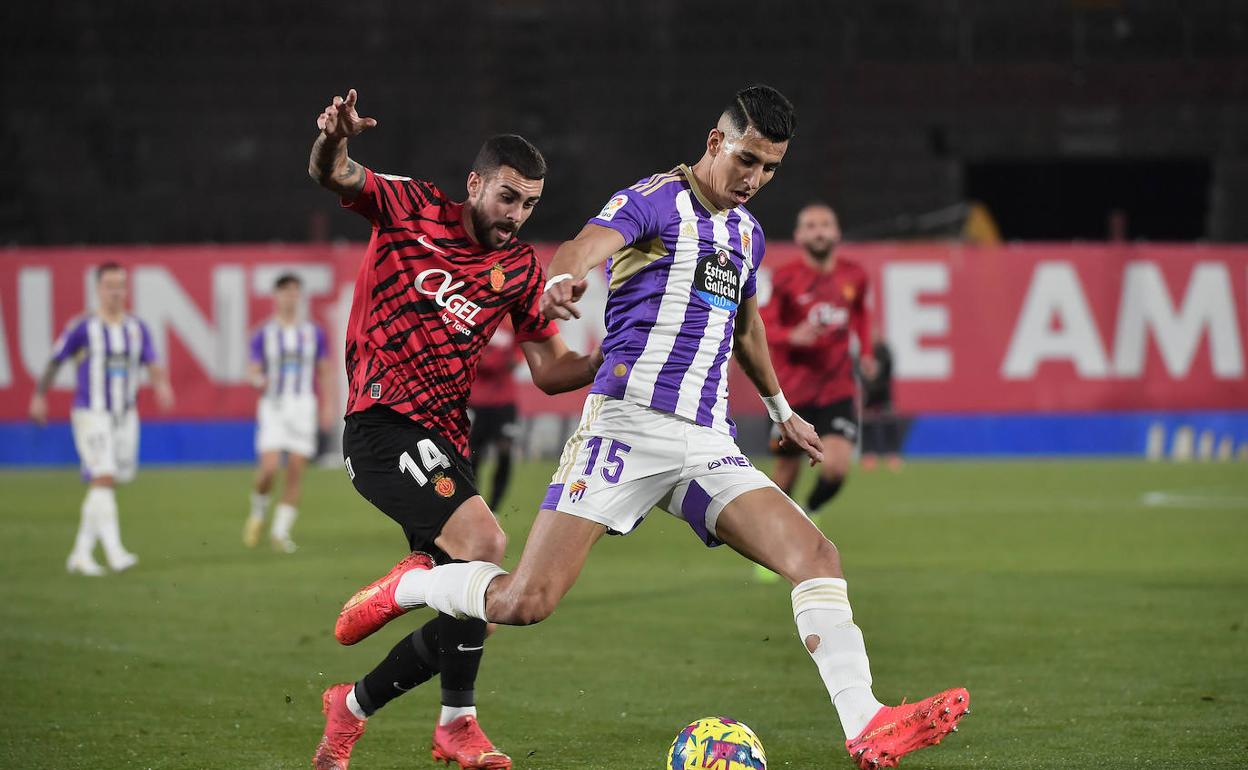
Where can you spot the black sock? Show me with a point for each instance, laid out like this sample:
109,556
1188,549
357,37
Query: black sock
502,474
413,661
460,644
824,491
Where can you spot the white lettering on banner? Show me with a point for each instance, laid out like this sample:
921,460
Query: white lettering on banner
34,324
221,351
457,305
1055,292
1207,307
6,370
907,320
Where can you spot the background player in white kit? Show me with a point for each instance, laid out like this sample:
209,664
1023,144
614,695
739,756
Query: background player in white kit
111,348
289,364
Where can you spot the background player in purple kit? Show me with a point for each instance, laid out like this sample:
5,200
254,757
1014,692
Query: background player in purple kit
111,348
291,367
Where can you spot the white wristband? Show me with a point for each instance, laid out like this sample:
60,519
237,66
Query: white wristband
777,407
557,279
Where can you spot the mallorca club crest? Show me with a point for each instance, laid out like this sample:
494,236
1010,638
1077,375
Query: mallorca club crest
849,292
577,490
442,484
497,277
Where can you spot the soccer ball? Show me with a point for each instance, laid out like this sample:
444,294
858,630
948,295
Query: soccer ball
716,743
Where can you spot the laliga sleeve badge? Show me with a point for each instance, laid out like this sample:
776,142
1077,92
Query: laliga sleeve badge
444,485
498,278
615,204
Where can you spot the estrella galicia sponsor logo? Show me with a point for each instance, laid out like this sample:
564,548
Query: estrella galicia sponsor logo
740,461
459,312
717,279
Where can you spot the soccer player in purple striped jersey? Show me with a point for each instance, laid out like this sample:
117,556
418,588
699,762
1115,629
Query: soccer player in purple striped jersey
291,367
111,348
682,254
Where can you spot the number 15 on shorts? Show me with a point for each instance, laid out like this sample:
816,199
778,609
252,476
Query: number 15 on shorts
612,462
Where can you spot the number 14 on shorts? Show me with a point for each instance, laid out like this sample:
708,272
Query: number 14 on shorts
612,461
431,458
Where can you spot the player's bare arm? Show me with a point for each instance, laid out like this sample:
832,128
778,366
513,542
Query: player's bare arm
159,377
327,373
329,165
591,247
750,350
255,376
38,399
558,369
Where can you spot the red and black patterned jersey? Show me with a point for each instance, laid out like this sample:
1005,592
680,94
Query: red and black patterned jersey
835,303
427,299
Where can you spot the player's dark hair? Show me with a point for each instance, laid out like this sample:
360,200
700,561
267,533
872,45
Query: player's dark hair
766,109
106,267
510,150
818,203
286,279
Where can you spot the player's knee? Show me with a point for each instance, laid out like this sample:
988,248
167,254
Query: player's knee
824,560
484,546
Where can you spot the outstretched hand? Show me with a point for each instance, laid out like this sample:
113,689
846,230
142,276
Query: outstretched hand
559,301
340,120
796,432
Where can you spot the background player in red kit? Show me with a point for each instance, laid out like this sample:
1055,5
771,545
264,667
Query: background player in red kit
436,281
817,303
493,403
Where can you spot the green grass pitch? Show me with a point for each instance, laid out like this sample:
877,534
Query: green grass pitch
1098,612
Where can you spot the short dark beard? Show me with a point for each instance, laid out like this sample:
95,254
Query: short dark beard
821,256
483,228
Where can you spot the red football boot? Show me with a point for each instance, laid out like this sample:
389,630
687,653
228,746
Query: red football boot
373,606
895,731
462,741
342,730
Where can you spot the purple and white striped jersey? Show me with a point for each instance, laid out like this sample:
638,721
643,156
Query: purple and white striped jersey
673,296
110,357
289,356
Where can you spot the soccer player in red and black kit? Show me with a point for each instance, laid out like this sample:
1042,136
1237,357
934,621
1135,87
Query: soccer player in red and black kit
437,279
816,304
493,405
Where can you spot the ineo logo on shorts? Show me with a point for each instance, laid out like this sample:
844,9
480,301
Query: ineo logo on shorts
740,461
717,279
461,312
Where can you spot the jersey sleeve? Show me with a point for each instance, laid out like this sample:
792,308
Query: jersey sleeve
256,347
322,346
386,198
147,350
526,314
630,214
72,340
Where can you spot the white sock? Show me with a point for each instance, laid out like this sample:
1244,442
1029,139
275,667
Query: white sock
451,713
455,589
353,705
259,504
826,622
284,516
84,541
101,505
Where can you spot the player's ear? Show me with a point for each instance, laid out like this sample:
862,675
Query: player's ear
475,183
714,141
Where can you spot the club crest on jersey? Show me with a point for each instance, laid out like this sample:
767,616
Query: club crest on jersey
717,279
615,204
849,292
577,490
442,484
498,278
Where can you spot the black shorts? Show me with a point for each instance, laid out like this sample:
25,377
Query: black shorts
839,418
491,423
410,473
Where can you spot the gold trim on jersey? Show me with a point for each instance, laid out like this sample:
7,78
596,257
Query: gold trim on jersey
655,182
697,192
629,260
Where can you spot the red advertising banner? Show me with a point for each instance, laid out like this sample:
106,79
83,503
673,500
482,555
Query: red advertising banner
1035,327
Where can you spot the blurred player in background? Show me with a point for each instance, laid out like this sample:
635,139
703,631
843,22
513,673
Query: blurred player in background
493,403
817,310
684,253
881,429
289,365
111,348
437,280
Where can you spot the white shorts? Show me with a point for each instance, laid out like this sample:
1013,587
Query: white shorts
625,458
286,425
108,444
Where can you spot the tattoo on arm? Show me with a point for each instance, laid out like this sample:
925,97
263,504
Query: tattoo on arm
330,167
